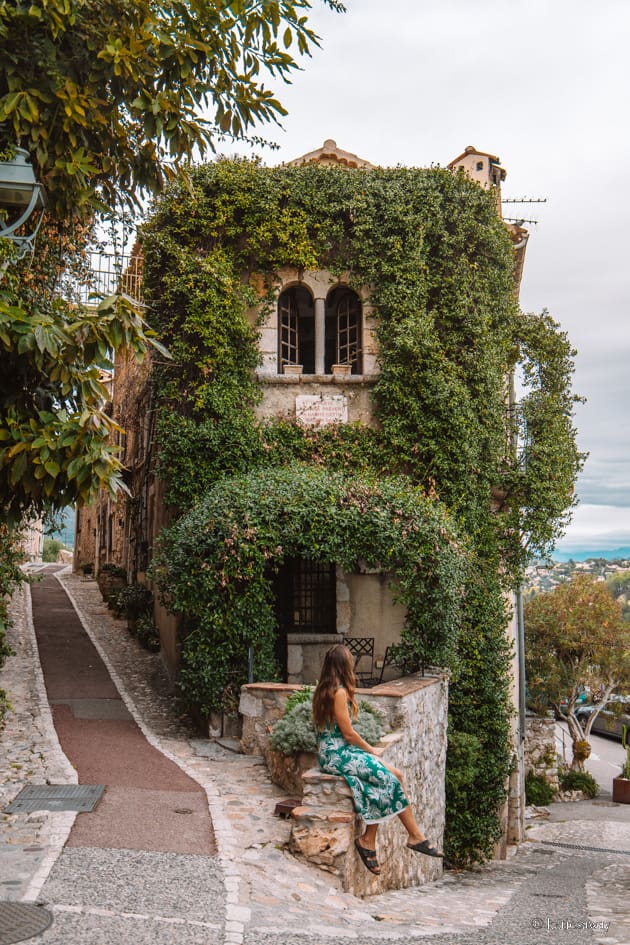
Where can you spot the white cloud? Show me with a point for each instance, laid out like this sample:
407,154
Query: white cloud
598,527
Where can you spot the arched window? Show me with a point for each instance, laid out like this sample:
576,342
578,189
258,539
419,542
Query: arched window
343,330
296,329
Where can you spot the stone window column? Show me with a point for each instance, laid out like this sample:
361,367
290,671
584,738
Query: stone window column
320,335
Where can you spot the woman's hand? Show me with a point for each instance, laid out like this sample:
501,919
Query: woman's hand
395,771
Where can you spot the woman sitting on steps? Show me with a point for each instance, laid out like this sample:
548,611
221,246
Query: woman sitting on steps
376,787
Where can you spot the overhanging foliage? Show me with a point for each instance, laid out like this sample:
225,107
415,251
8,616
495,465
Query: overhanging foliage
215,565
109,97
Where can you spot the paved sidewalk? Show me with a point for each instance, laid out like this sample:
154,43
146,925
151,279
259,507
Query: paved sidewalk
545,893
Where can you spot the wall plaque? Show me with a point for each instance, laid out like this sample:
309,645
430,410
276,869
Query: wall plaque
317,410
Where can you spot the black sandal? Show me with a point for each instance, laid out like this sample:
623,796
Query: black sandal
424,847
369,858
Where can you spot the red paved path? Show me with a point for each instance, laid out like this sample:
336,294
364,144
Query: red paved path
149,802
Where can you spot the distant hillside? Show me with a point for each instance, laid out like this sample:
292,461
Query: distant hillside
612,554
66,532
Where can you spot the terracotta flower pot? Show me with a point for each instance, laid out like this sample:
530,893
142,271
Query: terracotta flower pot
621,790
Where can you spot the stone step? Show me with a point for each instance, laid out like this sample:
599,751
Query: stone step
325,790
323,835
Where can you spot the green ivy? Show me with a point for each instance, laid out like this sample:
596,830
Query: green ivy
437,263
215,566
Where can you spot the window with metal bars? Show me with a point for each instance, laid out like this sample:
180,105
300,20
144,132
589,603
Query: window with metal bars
343,330
306,597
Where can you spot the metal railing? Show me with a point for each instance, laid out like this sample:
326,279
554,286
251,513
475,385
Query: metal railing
519,441
105,274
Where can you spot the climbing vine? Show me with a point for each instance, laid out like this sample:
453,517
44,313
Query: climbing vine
437,263
216,565
11,576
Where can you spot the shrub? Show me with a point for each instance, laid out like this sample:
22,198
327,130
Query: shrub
295,730
304,694
572,780
114,570
538,791
11,576
51,549
462,764
132,601
147,633
5,707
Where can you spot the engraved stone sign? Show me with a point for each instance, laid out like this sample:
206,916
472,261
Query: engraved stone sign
317,410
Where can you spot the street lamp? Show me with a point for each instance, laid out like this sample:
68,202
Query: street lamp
20,196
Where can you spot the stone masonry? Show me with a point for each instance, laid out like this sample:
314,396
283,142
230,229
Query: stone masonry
325,825
540,749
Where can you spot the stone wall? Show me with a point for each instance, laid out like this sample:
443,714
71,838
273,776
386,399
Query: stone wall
540,754
305,655
325,825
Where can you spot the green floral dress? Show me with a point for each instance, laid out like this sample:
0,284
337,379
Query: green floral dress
376,792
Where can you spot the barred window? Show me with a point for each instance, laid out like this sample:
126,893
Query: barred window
306,596
339,331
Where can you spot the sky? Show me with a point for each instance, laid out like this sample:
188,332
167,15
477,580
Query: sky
543,84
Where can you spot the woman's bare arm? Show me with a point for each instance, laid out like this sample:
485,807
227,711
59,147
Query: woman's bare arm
343,720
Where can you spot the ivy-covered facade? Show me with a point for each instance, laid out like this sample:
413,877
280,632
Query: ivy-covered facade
337,415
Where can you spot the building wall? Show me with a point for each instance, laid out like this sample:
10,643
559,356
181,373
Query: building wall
372,611
33,541
311,398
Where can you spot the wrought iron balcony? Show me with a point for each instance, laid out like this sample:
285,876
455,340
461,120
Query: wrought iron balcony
106,274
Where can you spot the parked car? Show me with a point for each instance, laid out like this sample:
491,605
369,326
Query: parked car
581,700
611,719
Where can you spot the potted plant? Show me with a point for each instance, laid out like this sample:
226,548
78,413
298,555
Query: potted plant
341,370
621,784
87,567
110,577
147,634
133,601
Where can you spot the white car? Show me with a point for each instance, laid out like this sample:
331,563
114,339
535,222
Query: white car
611,719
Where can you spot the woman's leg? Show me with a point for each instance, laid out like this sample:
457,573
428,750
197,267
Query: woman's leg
417,840
409,823
368,839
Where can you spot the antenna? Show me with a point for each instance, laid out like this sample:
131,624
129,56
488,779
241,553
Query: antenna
524,200
519,220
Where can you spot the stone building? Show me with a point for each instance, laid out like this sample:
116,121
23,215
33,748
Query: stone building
319,365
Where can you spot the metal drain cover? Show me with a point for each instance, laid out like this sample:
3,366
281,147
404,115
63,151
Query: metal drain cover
56,797
21,920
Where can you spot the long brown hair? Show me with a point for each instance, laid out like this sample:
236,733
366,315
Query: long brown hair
338,670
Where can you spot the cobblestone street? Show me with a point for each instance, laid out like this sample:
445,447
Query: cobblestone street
568,883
